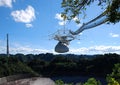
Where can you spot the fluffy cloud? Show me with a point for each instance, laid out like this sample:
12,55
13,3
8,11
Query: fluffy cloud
114,35
82,50
29,25
78,42
25,16
6,3
58,16
61,21
27,50
96,50
24,50
75,19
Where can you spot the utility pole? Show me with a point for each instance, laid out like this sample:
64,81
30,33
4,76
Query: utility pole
7,45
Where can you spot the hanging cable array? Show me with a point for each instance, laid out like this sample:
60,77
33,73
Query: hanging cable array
63,36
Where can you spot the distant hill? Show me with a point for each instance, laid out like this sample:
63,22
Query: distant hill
57,65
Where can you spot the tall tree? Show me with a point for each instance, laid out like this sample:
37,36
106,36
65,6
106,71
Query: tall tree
72,8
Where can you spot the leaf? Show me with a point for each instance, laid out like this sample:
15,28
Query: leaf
77,21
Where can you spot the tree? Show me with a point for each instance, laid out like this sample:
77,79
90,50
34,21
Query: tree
92,81
72,8
114,77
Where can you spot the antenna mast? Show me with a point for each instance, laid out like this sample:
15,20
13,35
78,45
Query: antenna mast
7,45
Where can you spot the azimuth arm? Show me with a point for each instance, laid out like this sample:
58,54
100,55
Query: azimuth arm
102,18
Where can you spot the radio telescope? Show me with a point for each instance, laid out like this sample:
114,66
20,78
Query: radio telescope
65,36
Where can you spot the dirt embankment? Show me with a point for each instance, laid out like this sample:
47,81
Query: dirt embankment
32,81
17,80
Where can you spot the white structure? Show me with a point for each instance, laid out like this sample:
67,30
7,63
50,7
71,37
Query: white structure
65,38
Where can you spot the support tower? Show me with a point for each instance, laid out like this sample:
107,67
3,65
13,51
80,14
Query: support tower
7,45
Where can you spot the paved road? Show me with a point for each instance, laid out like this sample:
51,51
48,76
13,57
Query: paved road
32,81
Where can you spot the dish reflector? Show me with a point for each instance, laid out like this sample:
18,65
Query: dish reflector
61,48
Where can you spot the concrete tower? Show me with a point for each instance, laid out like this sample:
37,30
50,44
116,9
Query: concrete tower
7,45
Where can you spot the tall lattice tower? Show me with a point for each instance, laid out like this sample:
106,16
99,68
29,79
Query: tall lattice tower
7,45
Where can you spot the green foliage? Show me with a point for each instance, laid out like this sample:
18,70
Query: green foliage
92,81
96,65
59,82
112,81
114,15
114,77
116,71
49,64
37,65
12,66
73,8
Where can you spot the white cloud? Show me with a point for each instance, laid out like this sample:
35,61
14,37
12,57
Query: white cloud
61,21
27,50
29,25
78,42
25,16
6,3
76,18
15,48
24,50
82,50
114,35
58,16
96,50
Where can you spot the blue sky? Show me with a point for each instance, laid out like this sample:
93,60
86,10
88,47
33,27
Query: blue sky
31,23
